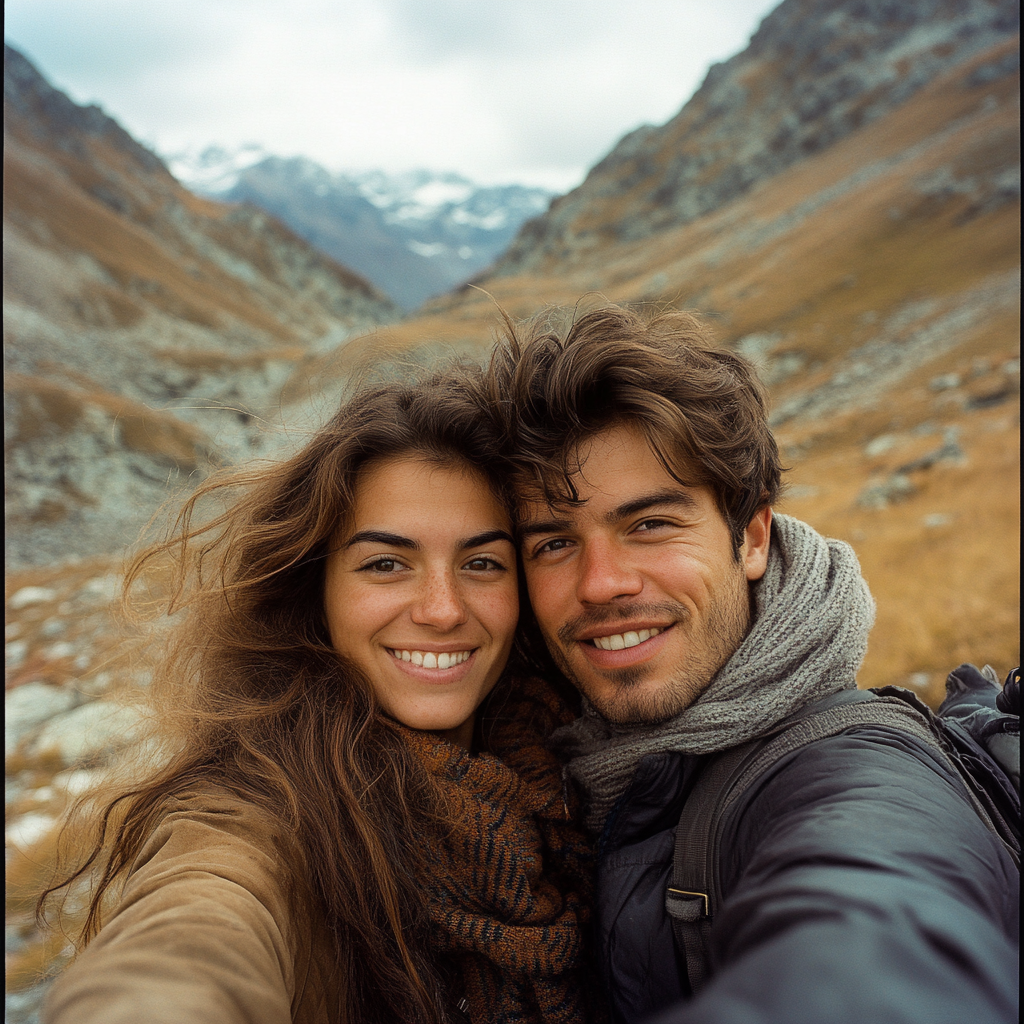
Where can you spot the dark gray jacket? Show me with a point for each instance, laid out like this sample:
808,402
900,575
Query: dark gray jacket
860,886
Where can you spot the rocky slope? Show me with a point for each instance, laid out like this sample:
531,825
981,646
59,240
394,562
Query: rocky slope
815,72
413,235
876,283
146,331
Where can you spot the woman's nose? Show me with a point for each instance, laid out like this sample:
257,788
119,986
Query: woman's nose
440,603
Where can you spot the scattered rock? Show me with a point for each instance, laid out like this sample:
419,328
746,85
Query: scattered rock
990,399
894,488
28,706
950,451
88,731
103,587
945,381
15,653
756,346
31,595
79,780
798,491
29,828
61,649
24,1007
880,445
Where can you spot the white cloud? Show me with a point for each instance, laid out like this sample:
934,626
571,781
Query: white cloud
530,90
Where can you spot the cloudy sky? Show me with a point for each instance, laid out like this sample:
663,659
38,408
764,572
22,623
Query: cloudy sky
534,91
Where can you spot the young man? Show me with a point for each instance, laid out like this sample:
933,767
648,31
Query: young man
858,883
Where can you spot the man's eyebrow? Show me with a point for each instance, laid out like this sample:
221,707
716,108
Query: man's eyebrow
680,499
544,526
479,539
392,540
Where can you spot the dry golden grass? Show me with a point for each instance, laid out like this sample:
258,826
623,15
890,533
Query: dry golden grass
946,592
826,282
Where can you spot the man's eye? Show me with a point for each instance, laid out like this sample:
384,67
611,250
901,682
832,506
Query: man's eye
651,524
557,544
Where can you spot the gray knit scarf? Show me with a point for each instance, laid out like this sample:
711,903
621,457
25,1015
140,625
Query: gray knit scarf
813,612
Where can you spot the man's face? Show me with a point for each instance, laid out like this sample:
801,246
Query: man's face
637,591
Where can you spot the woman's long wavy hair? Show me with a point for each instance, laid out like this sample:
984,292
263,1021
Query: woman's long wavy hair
258,701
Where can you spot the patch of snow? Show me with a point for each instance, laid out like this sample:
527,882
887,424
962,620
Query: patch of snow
485,222
442,192
214,170
427,249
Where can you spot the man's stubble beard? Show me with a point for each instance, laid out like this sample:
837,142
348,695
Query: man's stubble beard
705,652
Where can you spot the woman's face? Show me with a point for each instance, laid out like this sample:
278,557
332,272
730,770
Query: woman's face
421,594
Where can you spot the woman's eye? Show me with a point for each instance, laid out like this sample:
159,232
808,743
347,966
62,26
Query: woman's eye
383,565
484,565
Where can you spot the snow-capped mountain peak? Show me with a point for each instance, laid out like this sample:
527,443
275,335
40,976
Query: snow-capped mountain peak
414,234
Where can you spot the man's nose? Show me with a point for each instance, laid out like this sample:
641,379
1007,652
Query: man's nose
605,574
440,602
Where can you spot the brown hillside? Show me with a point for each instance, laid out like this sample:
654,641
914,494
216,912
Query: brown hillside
877,284
122,290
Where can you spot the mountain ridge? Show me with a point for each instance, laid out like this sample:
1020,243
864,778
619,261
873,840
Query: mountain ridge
147,331
415,234
832,67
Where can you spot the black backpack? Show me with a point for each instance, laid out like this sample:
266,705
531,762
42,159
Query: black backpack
694,897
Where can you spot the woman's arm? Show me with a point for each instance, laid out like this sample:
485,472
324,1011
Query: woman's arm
204,931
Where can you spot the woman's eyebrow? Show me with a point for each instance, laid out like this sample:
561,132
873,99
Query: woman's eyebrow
479,539
393,540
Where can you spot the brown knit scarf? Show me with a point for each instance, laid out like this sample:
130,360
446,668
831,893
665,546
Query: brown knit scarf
510,889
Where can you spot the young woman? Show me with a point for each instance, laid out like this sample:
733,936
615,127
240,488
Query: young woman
358,821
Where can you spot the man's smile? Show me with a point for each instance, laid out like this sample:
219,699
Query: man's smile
620,641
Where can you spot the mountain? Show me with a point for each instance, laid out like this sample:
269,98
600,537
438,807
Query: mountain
414,235
146,330
815,72
868,262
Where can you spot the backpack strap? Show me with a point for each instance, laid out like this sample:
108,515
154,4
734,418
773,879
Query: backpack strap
695,895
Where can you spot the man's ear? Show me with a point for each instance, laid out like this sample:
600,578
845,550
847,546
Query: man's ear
756,538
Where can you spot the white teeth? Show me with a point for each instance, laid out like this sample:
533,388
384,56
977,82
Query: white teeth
620,641
427,659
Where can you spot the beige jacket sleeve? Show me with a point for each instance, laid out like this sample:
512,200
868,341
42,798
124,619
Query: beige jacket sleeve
204,932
